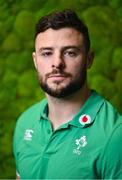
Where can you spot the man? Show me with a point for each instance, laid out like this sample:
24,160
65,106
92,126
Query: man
74,133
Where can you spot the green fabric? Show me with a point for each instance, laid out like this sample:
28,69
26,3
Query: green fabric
87,147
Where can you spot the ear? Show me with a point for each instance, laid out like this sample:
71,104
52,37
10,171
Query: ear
90,58
34,59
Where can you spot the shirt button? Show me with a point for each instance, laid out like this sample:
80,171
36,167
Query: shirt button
48,131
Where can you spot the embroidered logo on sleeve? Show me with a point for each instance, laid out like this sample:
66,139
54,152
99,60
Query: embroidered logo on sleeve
80,143
28,134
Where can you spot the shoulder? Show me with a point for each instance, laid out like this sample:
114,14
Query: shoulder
34,108
32,113
109,115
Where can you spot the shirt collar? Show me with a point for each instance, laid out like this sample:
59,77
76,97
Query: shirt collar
44,109
89,110
87,113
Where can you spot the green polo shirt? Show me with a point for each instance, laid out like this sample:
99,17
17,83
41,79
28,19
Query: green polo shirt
87,147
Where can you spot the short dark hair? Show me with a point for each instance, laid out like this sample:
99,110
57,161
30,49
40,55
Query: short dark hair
66,18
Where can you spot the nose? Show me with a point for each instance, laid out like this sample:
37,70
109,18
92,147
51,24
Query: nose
58,61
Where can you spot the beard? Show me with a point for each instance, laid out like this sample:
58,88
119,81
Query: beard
62,91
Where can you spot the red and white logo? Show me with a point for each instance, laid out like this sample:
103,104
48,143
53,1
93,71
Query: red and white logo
85,119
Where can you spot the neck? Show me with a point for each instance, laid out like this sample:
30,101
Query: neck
62,110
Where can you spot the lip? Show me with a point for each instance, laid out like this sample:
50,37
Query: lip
58,77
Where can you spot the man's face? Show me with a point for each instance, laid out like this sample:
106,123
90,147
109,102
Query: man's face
61,61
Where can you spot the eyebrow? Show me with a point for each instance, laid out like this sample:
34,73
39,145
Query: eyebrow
45,48
79,47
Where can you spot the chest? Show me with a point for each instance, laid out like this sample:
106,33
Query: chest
65,154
